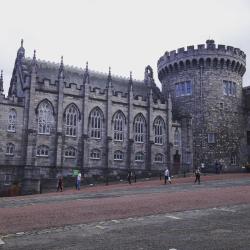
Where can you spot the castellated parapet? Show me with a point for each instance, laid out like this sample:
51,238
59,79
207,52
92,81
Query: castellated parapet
209,55
205,84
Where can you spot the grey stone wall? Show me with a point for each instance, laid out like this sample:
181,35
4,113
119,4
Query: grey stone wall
209,109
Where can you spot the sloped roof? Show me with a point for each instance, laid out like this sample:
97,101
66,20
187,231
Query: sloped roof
49,70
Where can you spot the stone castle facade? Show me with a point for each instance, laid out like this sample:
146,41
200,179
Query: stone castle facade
58,118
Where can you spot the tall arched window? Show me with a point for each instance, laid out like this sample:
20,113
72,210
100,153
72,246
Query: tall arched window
159,130
119,126
177,137
42,151
71,115
70,152
45,118
96,119
139,128
10,147
12,121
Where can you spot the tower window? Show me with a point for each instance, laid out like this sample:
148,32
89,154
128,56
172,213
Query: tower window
183,88
248,137
233,159
229,88
211,137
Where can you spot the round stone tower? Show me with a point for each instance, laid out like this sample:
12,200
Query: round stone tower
205,84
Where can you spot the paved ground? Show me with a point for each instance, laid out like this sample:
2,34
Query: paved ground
145,215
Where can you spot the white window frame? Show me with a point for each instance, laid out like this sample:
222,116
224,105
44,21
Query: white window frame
118,155
10,148
139,157
95,154
96,119
7,179
70,152
233,159
119,126
42,151
159,131
139,129
211,138
12,121
71,120
177,137
45,118
159,158
183,88
229,88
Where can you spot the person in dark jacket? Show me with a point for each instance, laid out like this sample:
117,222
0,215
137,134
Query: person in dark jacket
60,184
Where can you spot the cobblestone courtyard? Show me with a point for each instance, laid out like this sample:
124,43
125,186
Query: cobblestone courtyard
144,215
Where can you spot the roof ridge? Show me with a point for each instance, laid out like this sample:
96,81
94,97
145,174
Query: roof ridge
80,70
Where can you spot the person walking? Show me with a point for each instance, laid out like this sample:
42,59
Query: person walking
78,181
60,184
197,173
129,177
134,176
167,176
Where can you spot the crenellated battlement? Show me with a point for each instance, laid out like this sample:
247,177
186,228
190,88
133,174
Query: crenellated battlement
11,100
204,55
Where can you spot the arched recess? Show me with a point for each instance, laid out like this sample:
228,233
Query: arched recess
201,62
222,62
208,62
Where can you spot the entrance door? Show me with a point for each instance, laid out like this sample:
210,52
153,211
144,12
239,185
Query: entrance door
176,162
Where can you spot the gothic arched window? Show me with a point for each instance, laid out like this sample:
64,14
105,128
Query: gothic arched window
96,119
159,158
10,147
70,152
159,130
139,156
45,118
139,128
118,155
12,121
177,137
95,154
119,126
71,116
42,151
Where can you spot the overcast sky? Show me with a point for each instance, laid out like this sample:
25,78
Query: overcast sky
126,35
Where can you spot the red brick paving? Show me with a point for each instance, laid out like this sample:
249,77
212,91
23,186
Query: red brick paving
39,216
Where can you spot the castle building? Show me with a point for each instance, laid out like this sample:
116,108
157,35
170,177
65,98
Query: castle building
58,118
